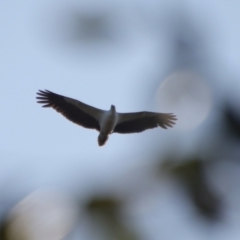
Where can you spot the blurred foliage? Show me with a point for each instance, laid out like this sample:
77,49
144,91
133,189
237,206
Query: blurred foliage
232,120
3,230
106,213
7,232
192,174
191,171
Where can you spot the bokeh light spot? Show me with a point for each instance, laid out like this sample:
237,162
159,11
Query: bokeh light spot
42,215
187,95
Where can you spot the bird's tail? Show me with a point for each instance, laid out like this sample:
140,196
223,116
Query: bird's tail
102,139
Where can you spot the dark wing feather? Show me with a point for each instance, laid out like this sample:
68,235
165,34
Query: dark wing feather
70,108
141,121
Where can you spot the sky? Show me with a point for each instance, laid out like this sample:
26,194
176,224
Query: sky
103,53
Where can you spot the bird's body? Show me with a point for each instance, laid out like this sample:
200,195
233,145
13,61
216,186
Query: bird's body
106,122
109,120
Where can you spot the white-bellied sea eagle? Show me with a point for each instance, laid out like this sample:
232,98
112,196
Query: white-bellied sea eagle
106,122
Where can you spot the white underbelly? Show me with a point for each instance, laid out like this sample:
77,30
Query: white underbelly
108,123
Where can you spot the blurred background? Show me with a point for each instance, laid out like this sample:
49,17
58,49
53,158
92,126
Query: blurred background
168,56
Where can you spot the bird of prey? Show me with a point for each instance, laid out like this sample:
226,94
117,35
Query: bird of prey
106,122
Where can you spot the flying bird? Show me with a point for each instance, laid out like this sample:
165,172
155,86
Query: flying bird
106,122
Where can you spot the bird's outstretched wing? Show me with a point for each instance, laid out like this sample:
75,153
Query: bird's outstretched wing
74,110
141,121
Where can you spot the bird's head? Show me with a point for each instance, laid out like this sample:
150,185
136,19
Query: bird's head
113,108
